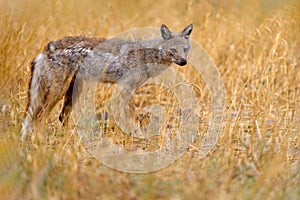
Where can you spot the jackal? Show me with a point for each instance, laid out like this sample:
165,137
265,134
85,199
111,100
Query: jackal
107,60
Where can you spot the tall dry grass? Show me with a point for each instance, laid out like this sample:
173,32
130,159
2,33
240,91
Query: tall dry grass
256,47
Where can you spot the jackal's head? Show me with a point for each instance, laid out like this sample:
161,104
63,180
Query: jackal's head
176,45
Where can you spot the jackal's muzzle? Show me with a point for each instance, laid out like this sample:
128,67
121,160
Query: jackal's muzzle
182,62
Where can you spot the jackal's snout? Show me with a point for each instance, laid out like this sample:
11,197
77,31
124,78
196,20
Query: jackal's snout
182,62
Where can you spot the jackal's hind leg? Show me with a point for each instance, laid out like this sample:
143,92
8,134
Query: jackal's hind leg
69,99
66,109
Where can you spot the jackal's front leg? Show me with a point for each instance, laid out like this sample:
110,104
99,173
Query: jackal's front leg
128,83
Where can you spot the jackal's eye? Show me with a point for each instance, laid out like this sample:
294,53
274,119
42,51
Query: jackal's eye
185,50
173,50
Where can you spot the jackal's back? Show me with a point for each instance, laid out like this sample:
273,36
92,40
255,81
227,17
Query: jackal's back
71,50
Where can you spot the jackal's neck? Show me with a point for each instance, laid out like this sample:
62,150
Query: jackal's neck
155,43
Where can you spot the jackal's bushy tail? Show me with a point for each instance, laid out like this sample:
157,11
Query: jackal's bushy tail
34,94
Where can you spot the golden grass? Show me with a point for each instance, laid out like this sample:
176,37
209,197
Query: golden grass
256,48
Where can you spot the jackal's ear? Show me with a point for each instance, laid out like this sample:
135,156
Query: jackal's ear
187,31
165,32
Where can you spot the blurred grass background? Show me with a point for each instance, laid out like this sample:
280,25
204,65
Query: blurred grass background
255,45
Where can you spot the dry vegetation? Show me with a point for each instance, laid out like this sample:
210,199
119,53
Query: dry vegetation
256,47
